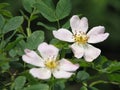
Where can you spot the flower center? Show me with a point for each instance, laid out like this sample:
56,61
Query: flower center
81,38
51,64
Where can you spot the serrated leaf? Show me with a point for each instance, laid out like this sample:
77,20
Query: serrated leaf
37,87
46,26
82,76
46,8
63,9
19,82
13,24
28,5
35,39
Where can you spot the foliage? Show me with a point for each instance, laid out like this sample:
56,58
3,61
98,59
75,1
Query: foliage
15,37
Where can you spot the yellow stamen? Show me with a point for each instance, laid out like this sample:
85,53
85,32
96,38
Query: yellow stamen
51,64
81,38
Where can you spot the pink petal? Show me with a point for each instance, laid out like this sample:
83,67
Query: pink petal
79,25
64,35
40,73
32,57
67,65
91,53
78,50
62,74
48,51
97,34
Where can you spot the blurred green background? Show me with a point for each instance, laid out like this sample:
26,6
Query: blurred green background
98,12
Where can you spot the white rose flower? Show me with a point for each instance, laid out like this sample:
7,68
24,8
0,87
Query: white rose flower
81,38
47,64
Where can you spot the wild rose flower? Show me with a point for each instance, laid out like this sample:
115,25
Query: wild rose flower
81,38
47,64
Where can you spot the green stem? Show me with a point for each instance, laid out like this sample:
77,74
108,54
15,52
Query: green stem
58,23
22,31
97,82
101,81
51,85
29,23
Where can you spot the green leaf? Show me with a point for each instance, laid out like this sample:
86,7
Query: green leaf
6,13
3,5
2,21
113,67
46,26
37,87
60,44
20,47
19,82
13,24
66,25
35,39
5,66
30,78
12,44
46,8
63,9
82,62
100,62
12,53
2,45
4,62
114,77
59,85
82,76
28,5
83,88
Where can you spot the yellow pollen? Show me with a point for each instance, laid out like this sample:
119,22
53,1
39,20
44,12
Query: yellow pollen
81,38
51,64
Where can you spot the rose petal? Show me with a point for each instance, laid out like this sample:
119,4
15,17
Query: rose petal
62,74
40,73
32,58
48,51
64,35
67,65
97,35
84,24
78,25
91,53
78,50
